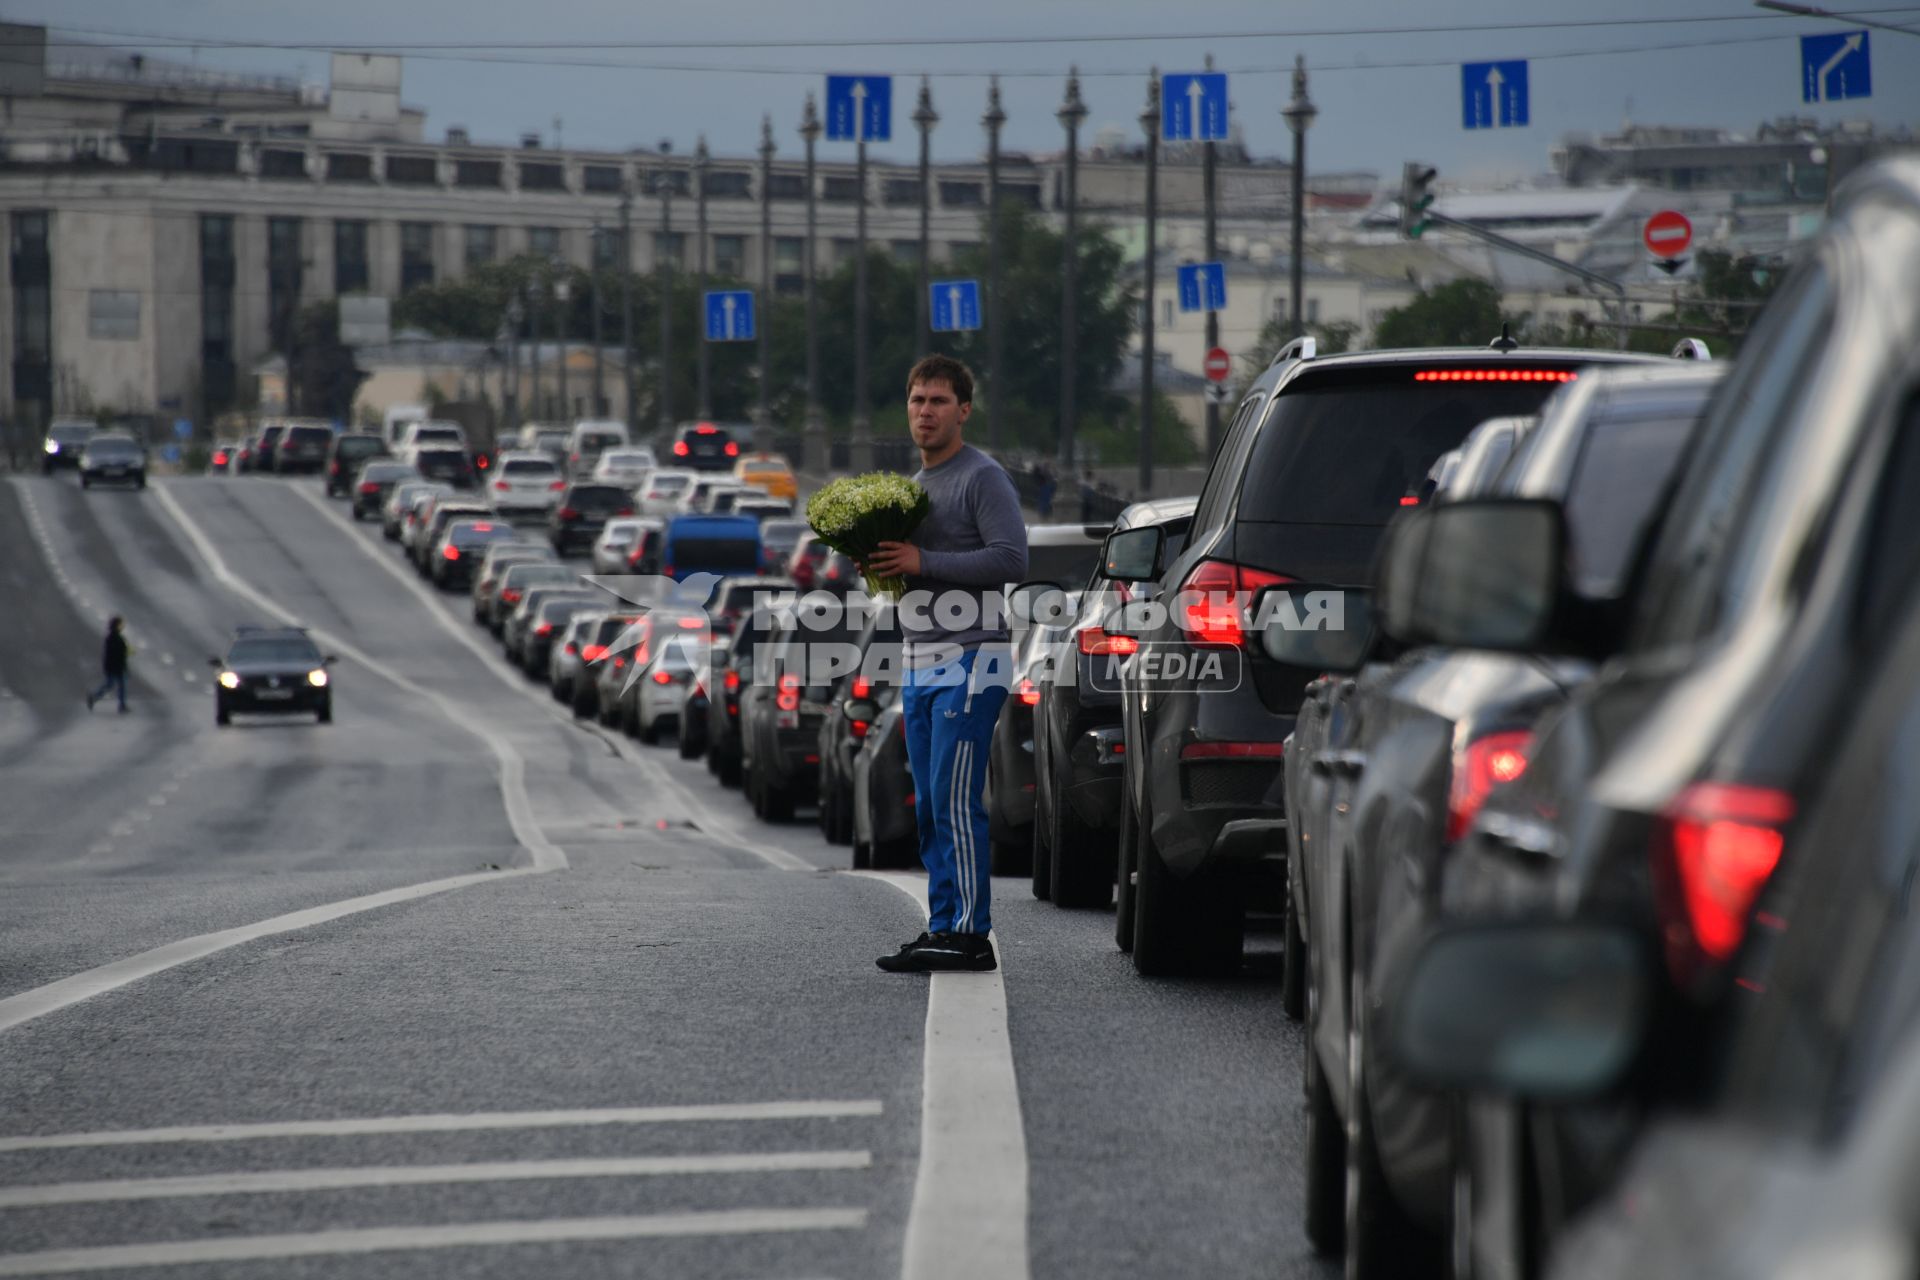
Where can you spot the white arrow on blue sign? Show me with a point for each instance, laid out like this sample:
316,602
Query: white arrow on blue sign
1835,67
1493,95
1193,107
730,315
956,305
859,108
1203,286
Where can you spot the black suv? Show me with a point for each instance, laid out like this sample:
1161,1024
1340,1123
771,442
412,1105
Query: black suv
583,512
345,457
705,446
64,442
1321,454
303,448
272,670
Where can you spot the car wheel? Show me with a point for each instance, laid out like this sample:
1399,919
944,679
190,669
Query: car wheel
1381,1239
862,855
730,769
583,700
1123,874
842,817
221,716
1079,878
141,483
1293,973
325,714
1040,858
689,745
1182,927
1326,1157
85,483
648,731
776,802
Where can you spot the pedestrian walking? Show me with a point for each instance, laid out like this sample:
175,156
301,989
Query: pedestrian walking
958,661
113,665
1047,487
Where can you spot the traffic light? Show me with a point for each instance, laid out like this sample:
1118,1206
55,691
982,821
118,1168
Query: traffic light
1416,197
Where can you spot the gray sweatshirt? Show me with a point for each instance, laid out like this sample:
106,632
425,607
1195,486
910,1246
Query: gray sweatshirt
973,541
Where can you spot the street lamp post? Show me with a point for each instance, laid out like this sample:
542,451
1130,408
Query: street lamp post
765,424
814,455
563,297
861,453
536,308
511,389
924,118
663,264
993,120
598,257
626,301
1299,115
1071,113
700,259
1150,121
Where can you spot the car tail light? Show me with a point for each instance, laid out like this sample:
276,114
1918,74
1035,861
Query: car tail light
509,597
667,569
1496,375
732,681
501,486
1095,641
220,458
803,573
679,448
450,551
593,653
1029,692
788,698
733,450
1233,751
544,629
1714,849
569,513
1410,500
692,624
619,661
366,486
706,429
661,677
482,461
1224,592
862,687
858,728
557,486
333,468
1488,761
624,511
572,649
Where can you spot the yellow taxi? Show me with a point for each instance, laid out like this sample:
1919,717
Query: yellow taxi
768,472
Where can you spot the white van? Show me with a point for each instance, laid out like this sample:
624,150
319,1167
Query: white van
589,440
398,418
439,435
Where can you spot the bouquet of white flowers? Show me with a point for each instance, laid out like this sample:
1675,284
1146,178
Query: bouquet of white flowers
856,514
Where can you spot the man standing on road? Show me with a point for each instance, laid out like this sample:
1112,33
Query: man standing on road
113,665
973,543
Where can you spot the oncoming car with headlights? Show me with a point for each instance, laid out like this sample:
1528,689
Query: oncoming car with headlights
272,671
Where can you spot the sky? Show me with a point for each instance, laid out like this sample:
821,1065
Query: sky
1384,96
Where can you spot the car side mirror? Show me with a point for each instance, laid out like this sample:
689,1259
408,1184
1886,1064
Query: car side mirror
860,709
1317,627
1475,574
1132,555
1552,1010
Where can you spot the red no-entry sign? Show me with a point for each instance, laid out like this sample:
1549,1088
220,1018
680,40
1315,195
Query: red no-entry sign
1668,234
1218,365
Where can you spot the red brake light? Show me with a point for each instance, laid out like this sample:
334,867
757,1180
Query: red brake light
556,487
788,699
573,648
624,511
733,449
1029,692
732,681
483,527
1495,375
692,624
1217,594
482,461
1487,762
619,661
544,629
1233,751
450,551
1720,843
593,653
568,513
661,677
220,458
858,728
1409,500
1095,641
862,687
501,486
366,486
706,429
802,573
679,448
509,597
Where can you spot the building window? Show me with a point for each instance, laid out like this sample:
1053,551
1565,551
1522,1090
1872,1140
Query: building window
605,179
541,176
543,242
349,256
476,173
789,264
416,255
416,171
606,248
285,269
275,163
730,256
670,246
900,191
963,195
729,184
216,311
349,166
842,191
483,245
845,250
32,318
908,251
788,186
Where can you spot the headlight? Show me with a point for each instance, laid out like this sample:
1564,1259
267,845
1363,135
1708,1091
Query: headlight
51,446
228,680
317,678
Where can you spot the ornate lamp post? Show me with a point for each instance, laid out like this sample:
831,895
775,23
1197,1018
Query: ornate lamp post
765,423
1149,121
924,118
700,160
993,120
1299,115
1071,114
814,442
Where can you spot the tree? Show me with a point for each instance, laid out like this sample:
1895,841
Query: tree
1331,339
1460,313
323,376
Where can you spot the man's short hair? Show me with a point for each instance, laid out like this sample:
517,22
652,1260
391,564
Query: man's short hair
943,369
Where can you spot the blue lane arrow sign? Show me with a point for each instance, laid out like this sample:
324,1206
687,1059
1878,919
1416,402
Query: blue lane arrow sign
1203,286
1835,67
1193,107
1493,95
730,315
859,108
956,305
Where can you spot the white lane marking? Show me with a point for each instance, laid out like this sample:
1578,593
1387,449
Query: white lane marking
305,1180
167,658
513,788
318,1244
55,996
970,1195
708,817
449,1123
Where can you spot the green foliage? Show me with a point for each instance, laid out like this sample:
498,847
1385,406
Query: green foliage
1114,440
1464,312
1333,338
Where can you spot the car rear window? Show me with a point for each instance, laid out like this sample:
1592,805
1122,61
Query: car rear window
528,466
309,435
476,534
717,555
358,446
437,435
668,484
599,497
527,575
1348,445
106,445
384,472
442,463
1070,566
596,441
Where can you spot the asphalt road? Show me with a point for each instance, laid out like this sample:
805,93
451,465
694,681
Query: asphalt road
623,1028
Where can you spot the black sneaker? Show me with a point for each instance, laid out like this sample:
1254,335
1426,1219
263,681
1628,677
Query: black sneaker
943,953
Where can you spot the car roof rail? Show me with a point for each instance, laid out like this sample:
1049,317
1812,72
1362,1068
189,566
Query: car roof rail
1691,349
261,628
1506,341
1303,347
